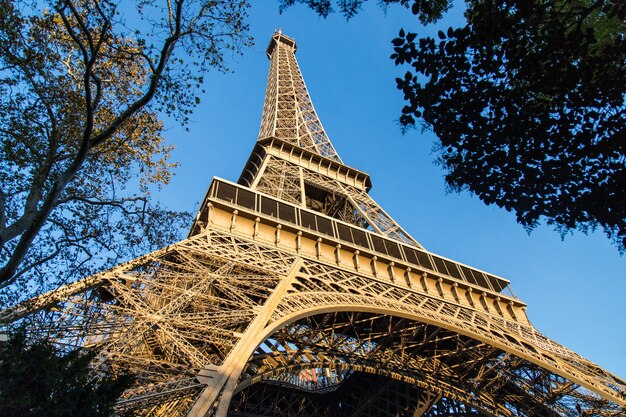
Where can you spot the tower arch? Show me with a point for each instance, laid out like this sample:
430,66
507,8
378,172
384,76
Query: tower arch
294,272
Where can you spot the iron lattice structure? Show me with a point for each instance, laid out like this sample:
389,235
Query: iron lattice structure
295,294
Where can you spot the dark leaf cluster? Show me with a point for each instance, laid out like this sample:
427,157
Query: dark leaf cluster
40,380
427,11
528,102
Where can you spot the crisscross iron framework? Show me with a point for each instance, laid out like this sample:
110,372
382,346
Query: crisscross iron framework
295,294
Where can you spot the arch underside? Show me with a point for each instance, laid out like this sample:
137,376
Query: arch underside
333,337
352,363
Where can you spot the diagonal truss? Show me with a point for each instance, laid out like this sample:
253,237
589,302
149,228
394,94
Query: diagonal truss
330,196
295,294
224,316
288,112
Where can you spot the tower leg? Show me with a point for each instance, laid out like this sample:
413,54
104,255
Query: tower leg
222,381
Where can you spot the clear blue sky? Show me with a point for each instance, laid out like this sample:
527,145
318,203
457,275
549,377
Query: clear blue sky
575,289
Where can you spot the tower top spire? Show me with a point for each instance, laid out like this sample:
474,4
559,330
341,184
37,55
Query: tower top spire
277,38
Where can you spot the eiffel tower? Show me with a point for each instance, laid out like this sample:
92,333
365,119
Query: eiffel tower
295,294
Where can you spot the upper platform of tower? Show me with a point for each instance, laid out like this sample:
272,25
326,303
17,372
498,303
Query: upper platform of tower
279,38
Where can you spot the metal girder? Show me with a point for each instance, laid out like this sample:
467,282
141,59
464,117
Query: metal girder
285,180
288,112
176,320
258,315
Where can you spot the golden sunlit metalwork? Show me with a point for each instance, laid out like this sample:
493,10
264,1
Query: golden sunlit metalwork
295,294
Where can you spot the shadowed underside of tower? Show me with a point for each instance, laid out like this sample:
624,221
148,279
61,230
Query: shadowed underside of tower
295,294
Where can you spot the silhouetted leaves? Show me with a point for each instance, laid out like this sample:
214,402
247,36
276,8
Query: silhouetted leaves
427,11
39,380
528,101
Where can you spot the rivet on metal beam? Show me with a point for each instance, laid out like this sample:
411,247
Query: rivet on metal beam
407,276
298,241
498,306
255,231
512,310
455,292
470,297
483,297
423,280
209,209
440,287
233,220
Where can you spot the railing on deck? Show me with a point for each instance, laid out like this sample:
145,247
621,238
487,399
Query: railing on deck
321,224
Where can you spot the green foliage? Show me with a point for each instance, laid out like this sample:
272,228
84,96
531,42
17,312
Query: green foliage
528,101
82,85
427,11
39,380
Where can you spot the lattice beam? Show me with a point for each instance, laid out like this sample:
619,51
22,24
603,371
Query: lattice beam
281,303
288,113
